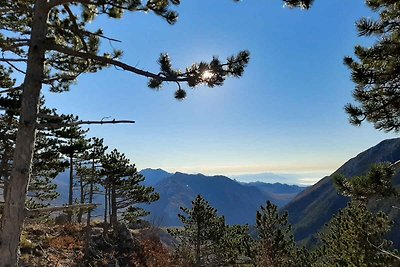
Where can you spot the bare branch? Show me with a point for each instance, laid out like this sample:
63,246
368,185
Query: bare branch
113,62
15,67
384,251
13,60
102,36
61,125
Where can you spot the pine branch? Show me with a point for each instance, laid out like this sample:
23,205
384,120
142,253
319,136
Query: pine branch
76,29
113,62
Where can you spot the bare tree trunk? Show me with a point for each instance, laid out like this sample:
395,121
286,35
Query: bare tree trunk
71,186
113,218
80,213
88,227
109,203
105,205
14,209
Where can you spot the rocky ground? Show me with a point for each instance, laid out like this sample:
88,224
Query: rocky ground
68,245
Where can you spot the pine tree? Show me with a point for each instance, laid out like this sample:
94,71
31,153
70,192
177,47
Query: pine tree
376,183
73,144
355,237
205,239
122,181
202,229
89,173
276,247
47,161
376,69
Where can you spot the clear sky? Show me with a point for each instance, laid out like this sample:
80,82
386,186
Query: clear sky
284,116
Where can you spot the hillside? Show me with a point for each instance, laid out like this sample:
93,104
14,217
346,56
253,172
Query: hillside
312,208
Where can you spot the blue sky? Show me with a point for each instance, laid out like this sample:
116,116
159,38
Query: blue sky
285,115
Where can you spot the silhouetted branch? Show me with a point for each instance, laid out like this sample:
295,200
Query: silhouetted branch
61,125
113,62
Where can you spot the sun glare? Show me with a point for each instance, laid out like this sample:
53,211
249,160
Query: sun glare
207,75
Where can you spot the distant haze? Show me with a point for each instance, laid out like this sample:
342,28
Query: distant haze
302,178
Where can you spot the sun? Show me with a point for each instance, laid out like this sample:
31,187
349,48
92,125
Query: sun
207,75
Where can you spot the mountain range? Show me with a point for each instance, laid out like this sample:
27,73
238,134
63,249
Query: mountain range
238,202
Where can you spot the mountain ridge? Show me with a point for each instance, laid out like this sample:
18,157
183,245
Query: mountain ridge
311,209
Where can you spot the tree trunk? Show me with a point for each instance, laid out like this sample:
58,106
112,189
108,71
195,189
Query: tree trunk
80,213
71,186
114,218
105,205
14,209
198,258
88,227
4,171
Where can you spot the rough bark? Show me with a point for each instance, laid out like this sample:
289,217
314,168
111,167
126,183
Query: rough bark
4,170
14,209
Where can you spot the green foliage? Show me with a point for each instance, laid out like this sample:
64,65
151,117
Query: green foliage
306,4
47,160
123,182
376,71
355,237
205,240
376,183
275,246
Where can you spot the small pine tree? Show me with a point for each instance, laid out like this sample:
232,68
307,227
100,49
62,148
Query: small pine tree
275,246
73,144
205,239
122,181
